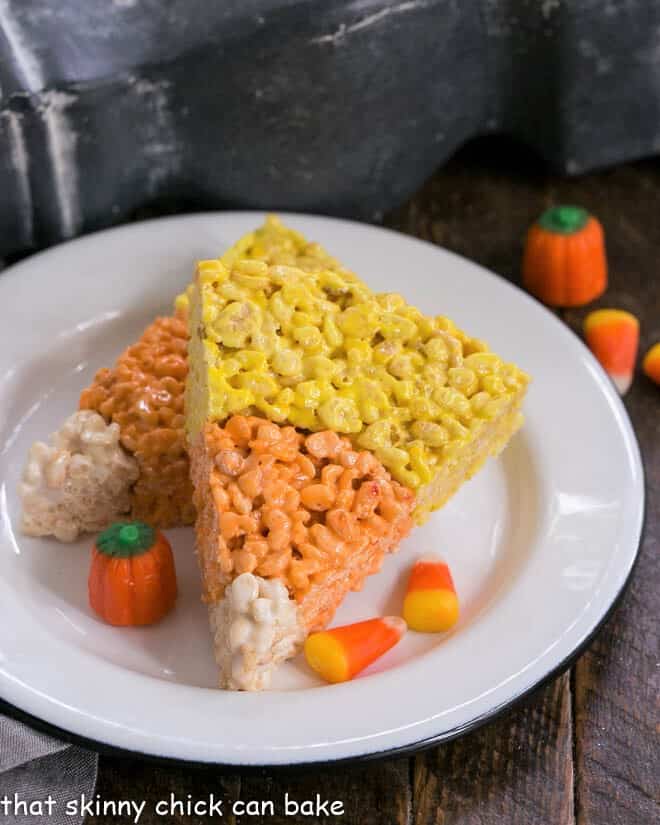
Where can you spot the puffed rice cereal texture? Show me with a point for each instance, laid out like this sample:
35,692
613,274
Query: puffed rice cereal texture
80,482
143,395
284,331
255,627
307,510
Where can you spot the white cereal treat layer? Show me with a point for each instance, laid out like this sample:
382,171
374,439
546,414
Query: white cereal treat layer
79,482
255,627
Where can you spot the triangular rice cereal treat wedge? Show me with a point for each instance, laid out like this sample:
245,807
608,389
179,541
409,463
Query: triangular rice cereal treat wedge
285,342
287,524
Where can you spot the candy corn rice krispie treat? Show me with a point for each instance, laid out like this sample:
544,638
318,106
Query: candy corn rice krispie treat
294,363
321,419
295,521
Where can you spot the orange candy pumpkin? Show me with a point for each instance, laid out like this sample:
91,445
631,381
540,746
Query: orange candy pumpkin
132,580
564,263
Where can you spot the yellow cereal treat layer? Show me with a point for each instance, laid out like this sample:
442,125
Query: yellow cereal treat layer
309,344
273,243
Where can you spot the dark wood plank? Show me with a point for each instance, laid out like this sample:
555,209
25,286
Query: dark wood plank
370,794
480,206
373,794
617,683
135,779
516,770
617,701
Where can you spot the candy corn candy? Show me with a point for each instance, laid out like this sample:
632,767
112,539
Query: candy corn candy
651,363
340,653
613,337
430,605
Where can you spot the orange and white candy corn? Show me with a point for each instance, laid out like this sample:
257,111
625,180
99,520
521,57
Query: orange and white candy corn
431,604
613,337
337,655
651,363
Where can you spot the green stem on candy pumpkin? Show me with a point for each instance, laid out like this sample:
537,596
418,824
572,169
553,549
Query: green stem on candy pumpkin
564,220
126,539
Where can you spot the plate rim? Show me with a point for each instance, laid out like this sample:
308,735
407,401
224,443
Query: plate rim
107,749
103,747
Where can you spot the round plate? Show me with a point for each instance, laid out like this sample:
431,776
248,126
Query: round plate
540,543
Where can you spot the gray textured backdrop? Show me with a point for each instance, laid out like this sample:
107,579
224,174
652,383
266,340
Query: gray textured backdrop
108,106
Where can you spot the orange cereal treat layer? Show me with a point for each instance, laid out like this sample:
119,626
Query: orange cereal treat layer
143,395
308,511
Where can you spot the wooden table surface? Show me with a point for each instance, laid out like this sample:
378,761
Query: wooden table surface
584,749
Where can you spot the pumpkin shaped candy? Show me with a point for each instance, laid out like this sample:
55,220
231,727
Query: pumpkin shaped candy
132,580
564,264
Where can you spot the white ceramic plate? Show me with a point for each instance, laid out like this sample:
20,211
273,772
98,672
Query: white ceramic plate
540,543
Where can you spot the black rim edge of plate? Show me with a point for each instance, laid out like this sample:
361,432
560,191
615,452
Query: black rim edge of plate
106,749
